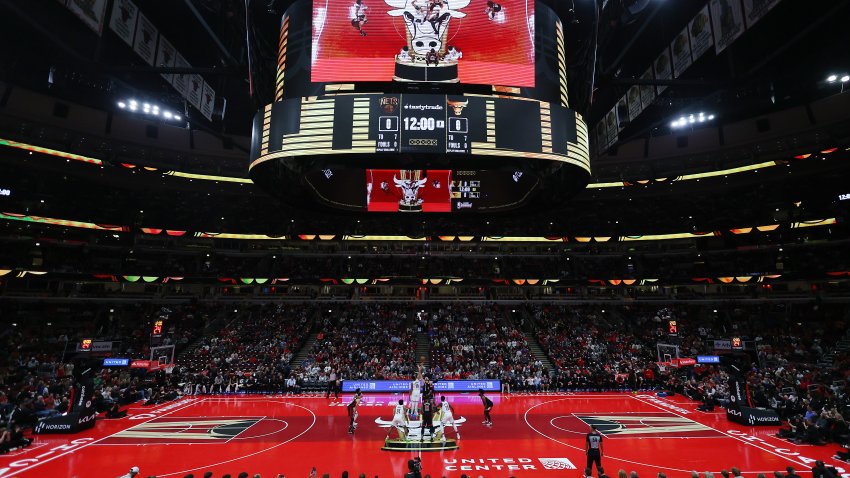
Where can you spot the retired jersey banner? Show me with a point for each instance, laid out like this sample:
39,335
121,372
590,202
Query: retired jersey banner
681,51
647,92
663,67
727,21
623,112
611,126
634,102
91,12
145,41
123,20
165,56
699,30
754,10
601,137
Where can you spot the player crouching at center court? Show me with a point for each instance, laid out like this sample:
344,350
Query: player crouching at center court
399,422
488,405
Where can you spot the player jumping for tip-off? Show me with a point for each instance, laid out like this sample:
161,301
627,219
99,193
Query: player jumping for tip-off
399,422
416,394
447,416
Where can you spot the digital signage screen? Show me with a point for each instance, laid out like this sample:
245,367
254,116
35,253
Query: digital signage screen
404,386
447,41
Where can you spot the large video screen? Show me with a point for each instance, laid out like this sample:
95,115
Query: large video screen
467,41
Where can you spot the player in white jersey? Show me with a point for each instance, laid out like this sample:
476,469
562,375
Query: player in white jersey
416,394
399,421
447,416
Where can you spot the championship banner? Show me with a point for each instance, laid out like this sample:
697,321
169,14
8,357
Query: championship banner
647,92
700,34
166,55
663,69
123,20
727,20
194,90
404,385
207,101
145,41
754,10
681,50
180,81
633,96
91,12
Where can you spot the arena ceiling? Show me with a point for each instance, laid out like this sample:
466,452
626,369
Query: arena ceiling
609,42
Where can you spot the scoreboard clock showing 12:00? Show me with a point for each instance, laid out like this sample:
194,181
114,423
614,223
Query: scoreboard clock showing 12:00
423,124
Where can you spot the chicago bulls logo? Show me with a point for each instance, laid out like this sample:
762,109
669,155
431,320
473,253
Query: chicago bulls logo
427,22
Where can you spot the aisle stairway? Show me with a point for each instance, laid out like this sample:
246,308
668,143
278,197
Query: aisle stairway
537,351
305,350
423,348
842,347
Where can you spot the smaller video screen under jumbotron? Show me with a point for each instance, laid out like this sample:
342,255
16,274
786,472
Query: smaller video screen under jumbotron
467,41
435,190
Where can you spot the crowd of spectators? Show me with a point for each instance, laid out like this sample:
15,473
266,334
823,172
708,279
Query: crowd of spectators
477,342
594,350
369,341
251,354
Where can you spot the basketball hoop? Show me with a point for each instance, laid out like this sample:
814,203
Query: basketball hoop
663,366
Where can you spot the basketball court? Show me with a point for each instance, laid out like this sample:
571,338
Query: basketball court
533,435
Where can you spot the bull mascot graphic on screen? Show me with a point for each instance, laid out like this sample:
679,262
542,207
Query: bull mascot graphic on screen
427,26
410,183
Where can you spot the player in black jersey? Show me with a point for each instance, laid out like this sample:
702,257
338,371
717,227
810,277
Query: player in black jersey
593,448
352,411
428,409
488,405
427,389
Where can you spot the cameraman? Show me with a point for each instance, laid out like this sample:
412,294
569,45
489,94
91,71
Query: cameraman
414,468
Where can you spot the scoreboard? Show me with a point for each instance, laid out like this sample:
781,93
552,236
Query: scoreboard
420,124
415,152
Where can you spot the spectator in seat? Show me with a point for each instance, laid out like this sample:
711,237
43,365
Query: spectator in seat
821,471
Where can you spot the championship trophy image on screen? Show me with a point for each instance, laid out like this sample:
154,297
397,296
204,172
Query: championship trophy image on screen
440,41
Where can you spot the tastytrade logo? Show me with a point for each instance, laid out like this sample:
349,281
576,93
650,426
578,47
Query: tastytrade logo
424,107
499,464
